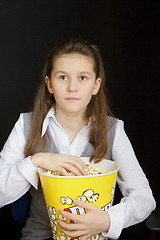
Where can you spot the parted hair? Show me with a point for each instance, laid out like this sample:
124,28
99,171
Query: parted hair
97,109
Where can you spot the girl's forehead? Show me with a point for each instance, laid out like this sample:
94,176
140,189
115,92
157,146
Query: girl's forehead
73,60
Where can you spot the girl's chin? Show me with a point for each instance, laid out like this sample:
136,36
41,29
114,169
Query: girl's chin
72,110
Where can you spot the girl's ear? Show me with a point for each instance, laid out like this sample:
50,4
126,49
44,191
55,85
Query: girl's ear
48,83
97,86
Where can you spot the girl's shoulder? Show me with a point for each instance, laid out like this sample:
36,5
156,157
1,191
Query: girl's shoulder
113,122
27,119
27,115
113,126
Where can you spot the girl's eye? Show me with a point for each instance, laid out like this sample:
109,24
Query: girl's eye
63,77
82,78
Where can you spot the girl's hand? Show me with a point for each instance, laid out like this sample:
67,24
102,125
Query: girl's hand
62,163
93,222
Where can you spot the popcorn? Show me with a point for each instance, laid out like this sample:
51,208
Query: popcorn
66,200
90,170
90,195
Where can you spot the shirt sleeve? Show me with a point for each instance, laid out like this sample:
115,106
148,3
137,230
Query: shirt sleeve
17,173
138,201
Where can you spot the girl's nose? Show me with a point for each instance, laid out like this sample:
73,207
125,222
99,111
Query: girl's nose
72,85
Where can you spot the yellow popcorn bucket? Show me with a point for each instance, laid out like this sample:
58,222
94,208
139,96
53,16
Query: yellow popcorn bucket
61,191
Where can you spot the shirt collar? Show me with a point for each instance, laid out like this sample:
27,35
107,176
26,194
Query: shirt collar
51,114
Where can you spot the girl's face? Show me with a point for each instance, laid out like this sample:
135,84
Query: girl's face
73,82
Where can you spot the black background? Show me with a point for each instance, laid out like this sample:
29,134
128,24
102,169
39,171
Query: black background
127,35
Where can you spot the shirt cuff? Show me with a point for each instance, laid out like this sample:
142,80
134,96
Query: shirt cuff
116,221
29,171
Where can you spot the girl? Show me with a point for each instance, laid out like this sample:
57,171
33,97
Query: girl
71,119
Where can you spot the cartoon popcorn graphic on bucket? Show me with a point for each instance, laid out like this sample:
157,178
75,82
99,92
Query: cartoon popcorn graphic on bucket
61,191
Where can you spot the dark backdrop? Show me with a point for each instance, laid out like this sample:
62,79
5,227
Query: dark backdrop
127,35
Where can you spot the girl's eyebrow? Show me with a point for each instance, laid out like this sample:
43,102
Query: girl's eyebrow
63,72
86,73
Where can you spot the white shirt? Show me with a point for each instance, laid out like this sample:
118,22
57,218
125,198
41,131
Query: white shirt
17,173
61,139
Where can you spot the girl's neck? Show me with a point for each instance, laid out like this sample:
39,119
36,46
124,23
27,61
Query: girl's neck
71,123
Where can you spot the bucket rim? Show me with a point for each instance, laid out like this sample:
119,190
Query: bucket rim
41,172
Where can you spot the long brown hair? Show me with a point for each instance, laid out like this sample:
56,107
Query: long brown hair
97,109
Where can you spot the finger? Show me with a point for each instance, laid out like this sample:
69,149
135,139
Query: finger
78,163
73,234
82,204
69,226
81,168
81,162
74,169
70,216
63,171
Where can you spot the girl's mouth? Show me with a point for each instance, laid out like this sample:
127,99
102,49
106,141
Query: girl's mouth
72,99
